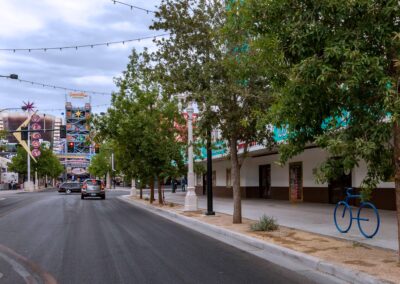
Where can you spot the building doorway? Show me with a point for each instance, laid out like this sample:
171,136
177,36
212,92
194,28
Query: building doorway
296,181
264,181
336,187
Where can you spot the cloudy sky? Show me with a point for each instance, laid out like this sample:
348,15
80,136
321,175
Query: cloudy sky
47,23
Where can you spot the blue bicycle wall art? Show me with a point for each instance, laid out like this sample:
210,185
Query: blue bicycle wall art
367,216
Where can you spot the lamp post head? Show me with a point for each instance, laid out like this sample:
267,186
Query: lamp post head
13,76
190,109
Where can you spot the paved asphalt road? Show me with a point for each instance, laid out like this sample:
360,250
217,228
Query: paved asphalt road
57,238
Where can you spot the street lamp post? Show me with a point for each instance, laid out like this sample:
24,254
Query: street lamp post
11,76
29,186
191,203
113,169
10,108
133,187
29,157
210,210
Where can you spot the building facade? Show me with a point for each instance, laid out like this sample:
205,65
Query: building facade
262,177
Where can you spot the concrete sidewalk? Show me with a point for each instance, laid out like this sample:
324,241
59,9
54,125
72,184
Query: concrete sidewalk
311,217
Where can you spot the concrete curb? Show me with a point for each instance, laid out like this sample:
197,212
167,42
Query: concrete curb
311,262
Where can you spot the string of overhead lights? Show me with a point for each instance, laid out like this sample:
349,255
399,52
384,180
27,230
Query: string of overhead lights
61,109
64,88
76,47
133,6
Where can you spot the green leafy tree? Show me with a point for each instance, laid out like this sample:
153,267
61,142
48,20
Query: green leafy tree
47,163
336,81
100,163
3,135
203,57
140,124
19,162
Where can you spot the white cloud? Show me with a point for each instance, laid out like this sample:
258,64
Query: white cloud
94,79
76,12
125,26
17,60
21,17
16,20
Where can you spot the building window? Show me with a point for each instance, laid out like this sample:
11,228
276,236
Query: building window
228,178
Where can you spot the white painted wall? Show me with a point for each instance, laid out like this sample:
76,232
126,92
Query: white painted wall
279,175
220,168
359,174
310,159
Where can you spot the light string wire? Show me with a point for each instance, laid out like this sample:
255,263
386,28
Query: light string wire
40,110
133,6
83,45
60,109
62,88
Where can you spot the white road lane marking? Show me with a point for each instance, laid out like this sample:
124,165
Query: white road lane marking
20,269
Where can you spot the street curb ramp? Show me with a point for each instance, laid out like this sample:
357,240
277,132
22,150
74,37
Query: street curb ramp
314,263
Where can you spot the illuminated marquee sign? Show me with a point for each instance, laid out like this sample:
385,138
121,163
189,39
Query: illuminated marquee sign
79,95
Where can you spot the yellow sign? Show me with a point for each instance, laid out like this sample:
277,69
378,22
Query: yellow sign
18,136
77,95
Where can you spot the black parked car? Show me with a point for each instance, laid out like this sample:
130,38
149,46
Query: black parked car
70,186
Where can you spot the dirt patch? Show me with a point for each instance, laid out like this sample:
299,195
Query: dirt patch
378,262
360,262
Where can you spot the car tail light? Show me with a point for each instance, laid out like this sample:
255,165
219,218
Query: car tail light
84,187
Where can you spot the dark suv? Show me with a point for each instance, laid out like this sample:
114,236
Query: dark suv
93,188
70,186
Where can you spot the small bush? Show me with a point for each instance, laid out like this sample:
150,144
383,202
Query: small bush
265,224
146,198
171,204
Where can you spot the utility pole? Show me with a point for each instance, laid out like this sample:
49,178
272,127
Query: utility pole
209,175
29,157
191,203
113,170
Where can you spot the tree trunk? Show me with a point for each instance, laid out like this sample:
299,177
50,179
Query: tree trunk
396,136
237,202
160,197
141,191
152,190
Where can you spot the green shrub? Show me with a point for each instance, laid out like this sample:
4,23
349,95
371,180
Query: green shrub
265,224
146,198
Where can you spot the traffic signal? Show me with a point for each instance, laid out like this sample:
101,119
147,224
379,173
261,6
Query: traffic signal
71,146
24,133
63,131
